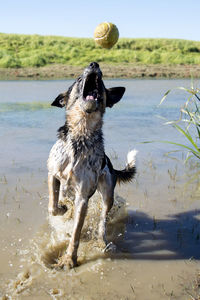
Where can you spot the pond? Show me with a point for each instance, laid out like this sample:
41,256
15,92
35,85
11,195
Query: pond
155,221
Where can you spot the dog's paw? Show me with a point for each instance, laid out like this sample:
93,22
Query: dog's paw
66,262
58,211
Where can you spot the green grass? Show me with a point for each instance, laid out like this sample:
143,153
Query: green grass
188,123
18,51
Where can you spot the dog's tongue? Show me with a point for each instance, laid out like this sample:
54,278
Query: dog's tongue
89,97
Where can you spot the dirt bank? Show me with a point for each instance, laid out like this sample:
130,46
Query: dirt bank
109,71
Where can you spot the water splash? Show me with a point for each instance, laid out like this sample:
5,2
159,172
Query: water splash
51,241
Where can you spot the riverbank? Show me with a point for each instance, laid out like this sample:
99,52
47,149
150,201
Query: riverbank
59,71
54,57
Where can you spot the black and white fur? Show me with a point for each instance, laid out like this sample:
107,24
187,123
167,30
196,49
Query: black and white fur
77,164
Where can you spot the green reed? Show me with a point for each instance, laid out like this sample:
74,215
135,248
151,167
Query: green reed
188,123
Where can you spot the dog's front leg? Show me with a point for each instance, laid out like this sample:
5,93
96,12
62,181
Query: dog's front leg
54,191
70,258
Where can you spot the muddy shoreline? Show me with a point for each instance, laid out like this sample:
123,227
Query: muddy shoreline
110,71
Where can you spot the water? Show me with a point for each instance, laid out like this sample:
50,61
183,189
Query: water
156,228
28,120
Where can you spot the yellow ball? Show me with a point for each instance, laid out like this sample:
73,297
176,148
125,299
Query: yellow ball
106,35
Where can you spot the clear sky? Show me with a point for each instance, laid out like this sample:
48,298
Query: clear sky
75,18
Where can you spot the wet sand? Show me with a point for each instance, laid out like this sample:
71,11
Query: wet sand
109,71
157,249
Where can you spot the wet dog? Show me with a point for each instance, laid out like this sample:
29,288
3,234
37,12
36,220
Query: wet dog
77,164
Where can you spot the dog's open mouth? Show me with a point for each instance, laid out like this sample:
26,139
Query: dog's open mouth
90,90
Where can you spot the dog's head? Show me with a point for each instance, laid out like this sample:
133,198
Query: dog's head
89,92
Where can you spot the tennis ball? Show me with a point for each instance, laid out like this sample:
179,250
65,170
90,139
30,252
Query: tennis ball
106,35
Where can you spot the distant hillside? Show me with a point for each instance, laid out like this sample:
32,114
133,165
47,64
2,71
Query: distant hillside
19,51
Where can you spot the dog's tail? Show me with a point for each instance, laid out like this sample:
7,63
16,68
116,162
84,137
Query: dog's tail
127,174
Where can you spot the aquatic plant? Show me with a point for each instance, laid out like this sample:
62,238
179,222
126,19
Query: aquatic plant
188,123
23,106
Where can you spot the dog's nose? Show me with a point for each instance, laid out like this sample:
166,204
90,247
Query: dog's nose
94,65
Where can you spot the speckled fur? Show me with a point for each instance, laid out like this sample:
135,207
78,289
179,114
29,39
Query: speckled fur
77,164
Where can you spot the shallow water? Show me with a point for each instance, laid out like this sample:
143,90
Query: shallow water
155,221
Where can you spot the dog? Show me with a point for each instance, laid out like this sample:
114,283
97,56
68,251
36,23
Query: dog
77,163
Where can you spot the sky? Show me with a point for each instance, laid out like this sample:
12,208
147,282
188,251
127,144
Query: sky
134,19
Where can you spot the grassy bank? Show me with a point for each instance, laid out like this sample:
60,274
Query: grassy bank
37,51
61,71
34,51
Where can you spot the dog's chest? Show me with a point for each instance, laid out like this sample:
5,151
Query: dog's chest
59,157
81,159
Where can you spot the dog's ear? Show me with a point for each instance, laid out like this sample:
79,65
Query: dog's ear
114,95
60,101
